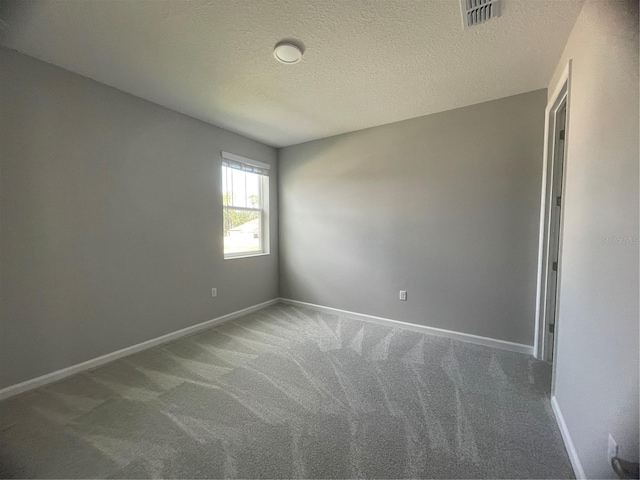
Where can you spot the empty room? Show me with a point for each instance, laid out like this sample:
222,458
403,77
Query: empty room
319,239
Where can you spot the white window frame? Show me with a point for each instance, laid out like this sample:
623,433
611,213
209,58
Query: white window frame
262,209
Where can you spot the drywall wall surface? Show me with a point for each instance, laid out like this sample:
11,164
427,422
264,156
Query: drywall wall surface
111,218
597,343
444,206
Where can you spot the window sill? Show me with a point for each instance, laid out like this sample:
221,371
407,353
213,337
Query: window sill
246,255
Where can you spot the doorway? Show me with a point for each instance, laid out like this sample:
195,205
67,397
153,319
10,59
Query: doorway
551,214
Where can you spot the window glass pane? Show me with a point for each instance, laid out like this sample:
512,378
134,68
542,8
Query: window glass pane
242,231
242,198
240,189
252,190
225,186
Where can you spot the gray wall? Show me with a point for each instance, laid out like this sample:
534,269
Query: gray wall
111,221
444,206
597,344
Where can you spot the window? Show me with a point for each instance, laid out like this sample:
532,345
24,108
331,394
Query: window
245,203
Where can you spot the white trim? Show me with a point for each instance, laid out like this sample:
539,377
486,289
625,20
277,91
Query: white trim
465,337
109,357
233,256
566,438
549,129
243,209
248,161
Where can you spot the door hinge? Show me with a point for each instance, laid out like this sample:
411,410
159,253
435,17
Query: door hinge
552,328
554,266
558,201
562,134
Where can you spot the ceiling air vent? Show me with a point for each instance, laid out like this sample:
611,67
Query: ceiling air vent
475,12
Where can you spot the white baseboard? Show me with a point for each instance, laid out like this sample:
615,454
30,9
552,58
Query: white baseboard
109,357
96,362
566,438
465,337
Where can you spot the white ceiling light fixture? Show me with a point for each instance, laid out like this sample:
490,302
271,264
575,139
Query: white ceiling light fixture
287,52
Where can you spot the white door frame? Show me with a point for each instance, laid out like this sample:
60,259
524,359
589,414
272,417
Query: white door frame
561,94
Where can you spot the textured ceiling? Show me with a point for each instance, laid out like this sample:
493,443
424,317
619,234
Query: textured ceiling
366,63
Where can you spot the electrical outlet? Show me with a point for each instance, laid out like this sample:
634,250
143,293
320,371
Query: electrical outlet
214,292
612,450
403,295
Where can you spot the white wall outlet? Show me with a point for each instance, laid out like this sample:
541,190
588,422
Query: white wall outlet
612,450
214,292
403,295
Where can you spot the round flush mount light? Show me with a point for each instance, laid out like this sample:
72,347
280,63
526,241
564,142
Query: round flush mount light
287,52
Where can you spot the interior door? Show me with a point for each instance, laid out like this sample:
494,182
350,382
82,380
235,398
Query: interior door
554,237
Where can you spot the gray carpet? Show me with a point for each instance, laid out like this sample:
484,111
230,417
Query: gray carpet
290,392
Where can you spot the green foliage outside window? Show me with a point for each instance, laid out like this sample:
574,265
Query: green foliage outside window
234,218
